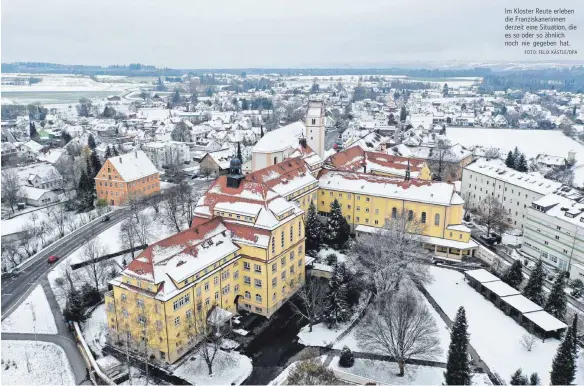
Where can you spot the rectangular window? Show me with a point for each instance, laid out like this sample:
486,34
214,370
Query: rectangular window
274,267
291,233
283,261
246,280
142,319
236,288
257,268
258,283
283,275
291,255
274,282
189,314
177,321
282,239
215,280
236,275
140,303
216,295
246,266
206,286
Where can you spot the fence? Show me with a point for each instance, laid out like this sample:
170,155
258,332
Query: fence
106,257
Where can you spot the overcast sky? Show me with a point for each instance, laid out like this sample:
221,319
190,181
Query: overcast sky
264,33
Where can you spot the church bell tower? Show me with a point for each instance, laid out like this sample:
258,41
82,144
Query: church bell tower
315,119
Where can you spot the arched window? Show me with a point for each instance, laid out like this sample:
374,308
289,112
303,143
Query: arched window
275,160
258,298
437,219
394,213
410,215
247,295
423,218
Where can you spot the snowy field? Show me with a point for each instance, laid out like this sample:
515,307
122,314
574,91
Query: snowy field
63,82
95,329
443,334
228,368
493,334
33,315
30,363
530,142
386,373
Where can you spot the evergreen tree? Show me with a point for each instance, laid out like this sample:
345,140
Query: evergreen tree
313,230
564,363
513,275
239,157
516,155
338,309
556,301
33,131
337,229
534,379
510,162
517,378
95,164
347,358
522,164
575,337
108,152
457,366
85,191
403,114
115,151
175,98
534,288
66,137
91,142
261,131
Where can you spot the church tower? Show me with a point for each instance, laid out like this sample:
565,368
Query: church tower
315,126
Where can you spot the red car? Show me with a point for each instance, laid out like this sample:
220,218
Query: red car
52,259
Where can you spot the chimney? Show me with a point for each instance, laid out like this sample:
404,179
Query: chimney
302,142
407,178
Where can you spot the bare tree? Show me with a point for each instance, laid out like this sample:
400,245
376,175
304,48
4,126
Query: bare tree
311,294
189,198
171,208
10,188
58,218
210,328
395,253
492,153
128,234
10,255
143,226
528,341
28,242
402,327
492,215
96,270
442,161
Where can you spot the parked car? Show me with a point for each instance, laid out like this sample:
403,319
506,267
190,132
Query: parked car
106,218
52,259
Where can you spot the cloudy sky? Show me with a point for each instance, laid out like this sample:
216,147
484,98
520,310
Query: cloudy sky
264,33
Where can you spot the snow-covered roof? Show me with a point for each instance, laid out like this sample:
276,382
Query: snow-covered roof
32,192
51,156
545,321
285,137
521,303
482,275
434,192
496,168
133,166
500,288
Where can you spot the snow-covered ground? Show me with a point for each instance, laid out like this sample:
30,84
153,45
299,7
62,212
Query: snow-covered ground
493,334
386,373
323,253
228,368
443,334
95,329
64,82
33,315
35,363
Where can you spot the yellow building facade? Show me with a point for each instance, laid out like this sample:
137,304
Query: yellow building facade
244,250
368,201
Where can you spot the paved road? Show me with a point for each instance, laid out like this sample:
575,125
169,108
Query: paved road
16,289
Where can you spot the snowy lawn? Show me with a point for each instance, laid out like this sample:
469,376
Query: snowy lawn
511,239
493,334
228,367
33,315
281,378
30,363
386,373
95,330
443,334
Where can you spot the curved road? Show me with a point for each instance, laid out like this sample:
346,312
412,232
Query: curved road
16,289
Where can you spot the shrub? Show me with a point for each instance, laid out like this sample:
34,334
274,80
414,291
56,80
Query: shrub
331,259
347,358
60,281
